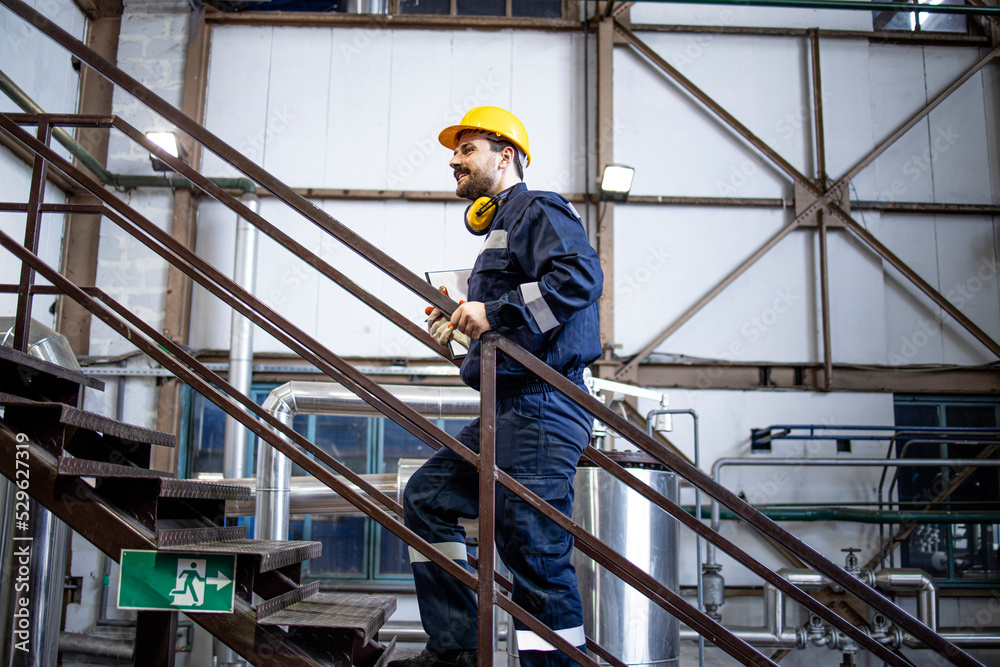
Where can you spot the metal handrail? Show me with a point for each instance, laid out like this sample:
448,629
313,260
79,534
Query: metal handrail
151,342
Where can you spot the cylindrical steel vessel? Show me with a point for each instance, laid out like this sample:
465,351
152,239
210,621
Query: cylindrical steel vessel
619,618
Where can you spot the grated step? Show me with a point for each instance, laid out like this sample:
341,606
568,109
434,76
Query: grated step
273,605
193,538
354,611
89,421
274,554
201,490
68,465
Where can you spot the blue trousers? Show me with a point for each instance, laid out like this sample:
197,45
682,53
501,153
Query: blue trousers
539,440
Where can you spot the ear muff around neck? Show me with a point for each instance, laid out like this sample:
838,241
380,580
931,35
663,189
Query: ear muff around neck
479,215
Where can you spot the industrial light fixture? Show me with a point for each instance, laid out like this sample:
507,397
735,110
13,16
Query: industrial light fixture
168,142
617,183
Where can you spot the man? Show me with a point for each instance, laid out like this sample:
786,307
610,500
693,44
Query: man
537,281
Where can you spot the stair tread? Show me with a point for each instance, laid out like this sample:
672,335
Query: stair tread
194,538
337,610
274,554
273,605
93,422
68,465
22,359
203,490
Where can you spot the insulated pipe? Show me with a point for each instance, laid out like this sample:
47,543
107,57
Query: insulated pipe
758,637
834,463
119,650
329,398
235,453
911,580
274,479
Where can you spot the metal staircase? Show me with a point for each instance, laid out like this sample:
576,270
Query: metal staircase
276,620
92,473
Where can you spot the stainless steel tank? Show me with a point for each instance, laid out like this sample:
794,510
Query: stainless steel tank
619,618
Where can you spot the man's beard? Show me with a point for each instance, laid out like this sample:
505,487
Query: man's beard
477,184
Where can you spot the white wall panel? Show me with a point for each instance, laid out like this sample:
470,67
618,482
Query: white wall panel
898,91
417,108
666,259
345,324
913,332
236,103
847,109
857,301
959,156
729,15
549,101
357,129
299,91
968,278
216,244
284,282
679,147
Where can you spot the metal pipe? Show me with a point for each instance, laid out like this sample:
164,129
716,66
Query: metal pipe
235,453
650,420
307,495
964,639
274,479
759,637
104,647
912,580
838,463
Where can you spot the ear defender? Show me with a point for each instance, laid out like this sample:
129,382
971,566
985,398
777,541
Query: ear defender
479,215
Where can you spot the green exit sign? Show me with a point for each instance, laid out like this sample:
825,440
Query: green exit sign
173,581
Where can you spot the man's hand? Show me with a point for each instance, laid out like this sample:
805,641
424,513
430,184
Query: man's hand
470,319
441,330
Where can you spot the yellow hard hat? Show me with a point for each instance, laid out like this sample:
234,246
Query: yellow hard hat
498,121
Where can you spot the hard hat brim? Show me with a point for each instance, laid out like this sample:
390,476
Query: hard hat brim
449,138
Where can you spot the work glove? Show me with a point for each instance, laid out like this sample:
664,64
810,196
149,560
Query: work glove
441,329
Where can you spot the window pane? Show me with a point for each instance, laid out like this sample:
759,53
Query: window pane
343,541
208,429
398,443
916,415
393,556
346,438
482,7
548,9
970,416
424,6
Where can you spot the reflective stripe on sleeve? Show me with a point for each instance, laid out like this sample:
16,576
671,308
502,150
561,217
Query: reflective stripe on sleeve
529,641
453,550
497,240
532,295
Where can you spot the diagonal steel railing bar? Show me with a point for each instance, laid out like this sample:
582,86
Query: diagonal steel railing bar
739,507
241,209
209,140
138,231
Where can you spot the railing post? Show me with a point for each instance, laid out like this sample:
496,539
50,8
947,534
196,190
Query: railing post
487,497
32,227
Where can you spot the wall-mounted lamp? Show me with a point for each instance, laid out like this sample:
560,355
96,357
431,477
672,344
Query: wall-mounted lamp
616,183
168,142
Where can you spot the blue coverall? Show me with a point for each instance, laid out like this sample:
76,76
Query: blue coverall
539,279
